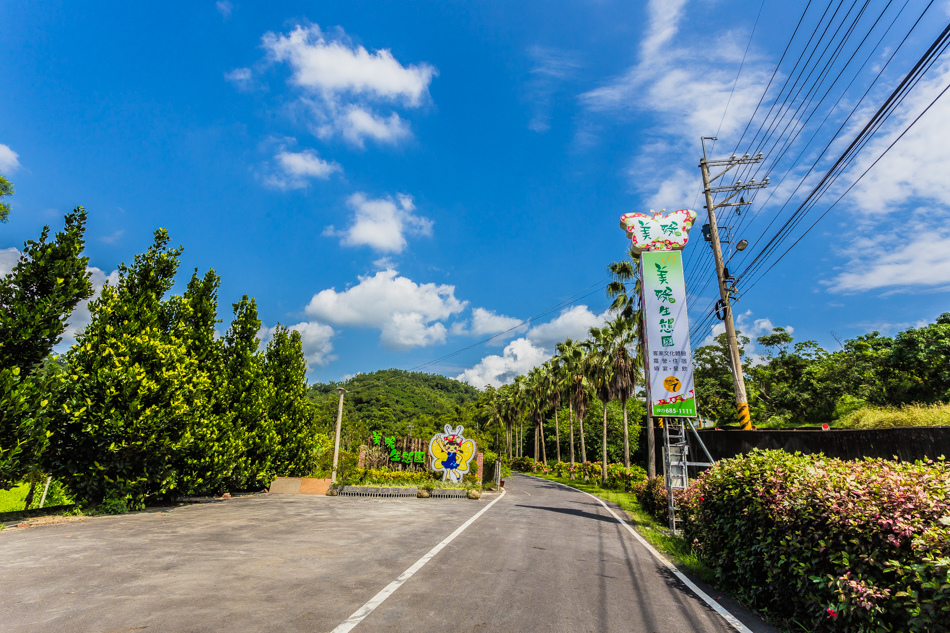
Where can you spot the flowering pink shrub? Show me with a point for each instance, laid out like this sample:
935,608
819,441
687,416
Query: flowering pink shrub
831,544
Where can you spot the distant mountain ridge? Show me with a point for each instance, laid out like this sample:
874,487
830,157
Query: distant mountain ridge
390,400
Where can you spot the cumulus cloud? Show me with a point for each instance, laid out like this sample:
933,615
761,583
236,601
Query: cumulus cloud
406,313
8,259
315,340
295,170
573,322
81,317
343,83
381,223
518,358
685,90
533,349
746,325
9,160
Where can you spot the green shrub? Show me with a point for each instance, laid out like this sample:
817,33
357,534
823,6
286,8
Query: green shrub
829,544
872,417
384,477
651,495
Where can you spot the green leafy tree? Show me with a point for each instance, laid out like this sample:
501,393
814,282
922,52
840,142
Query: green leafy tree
288,406
794,385
247,390
36,300
920,358
208,463
6,189
715,392
131,391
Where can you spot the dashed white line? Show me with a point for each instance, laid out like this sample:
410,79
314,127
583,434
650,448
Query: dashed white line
360,614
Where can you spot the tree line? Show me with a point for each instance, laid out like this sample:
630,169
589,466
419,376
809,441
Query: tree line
802,383
149,402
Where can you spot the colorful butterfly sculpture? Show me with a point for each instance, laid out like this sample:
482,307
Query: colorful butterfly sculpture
658,231
451,453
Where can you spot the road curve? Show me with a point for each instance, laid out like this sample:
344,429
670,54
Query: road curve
544,558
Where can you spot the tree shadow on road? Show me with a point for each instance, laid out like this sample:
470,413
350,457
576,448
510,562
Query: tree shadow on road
571,511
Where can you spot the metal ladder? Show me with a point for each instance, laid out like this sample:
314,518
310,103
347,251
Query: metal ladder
676,461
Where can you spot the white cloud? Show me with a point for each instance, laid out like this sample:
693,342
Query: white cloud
337,67
486,322
8,260
343,83
242,78
573,322
358,124
9,160
224,7
550,70
518,358
916,167
294,170
875,264
315,340
382,223
750,327
406,313
533,349
685,91
81,317
405,331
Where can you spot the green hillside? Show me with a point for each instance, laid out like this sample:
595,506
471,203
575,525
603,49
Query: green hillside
392,400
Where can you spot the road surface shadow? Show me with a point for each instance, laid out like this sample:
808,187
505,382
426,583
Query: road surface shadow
571,511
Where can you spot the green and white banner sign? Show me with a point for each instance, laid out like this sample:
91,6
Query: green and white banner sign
669,357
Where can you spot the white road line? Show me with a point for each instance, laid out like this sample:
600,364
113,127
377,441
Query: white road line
360,614
718,608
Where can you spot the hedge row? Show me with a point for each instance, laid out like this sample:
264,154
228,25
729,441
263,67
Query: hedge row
618,476
830,544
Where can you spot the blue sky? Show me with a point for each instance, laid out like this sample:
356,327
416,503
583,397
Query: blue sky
400,180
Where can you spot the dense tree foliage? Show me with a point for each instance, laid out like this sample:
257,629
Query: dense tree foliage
6,189
36,299
151,403
801,383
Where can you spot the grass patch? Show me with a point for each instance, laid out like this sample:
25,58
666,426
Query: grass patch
872,417
12,500
656,534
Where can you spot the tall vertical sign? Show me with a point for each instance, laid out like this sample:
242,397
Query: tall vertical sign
669,357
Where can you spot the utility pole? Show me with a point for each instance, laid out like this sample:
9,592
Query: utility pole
725,291
339,424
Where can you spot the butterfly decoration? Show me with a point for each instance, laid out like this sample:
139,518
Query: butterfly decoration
658,231
451,453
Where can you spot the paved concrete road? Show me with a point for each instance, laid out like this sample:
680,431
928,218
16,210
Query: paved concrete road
543,558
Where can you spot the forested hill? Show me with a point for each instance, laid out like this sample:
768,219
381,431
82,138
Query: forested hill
390,400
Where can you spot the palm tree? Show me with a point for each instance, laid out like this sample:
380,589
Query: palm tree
625,291
566,379
625,373
600,370
579,387
535,401
555,382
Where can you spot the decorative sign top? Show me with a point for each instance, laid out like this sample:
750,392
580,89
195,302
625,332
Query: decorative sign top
451,453
658,231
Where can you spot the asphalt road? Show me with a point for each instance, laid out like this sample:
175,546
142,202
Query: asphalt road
544,558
